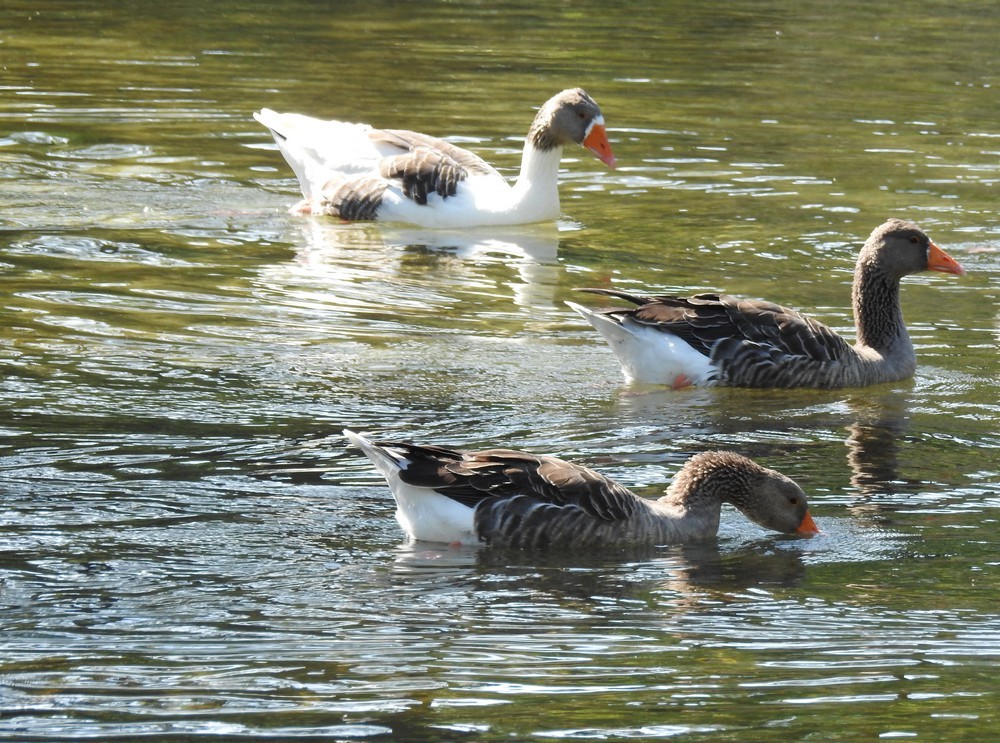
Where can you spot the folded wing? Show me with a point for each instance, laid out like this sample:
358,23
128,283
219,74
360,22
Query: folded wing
497,475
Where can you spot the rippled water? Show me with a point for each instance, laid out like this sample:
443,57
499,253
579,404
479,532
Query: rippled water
187,548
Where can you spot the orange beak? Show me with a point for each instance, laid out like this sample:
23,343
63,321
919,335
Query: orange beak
808,526
938,260
597,142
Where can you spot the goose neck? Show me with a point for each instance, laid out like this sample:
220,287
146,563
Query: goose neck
878,316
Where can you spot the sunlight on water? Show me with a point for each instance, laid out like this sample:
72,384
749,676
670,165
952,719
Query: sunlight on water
188,547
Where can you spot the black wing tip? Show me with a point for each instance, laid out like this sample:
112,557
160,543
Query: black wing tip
636,299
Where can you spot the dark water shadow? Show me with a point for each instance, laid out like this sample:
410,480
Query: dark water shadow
612,573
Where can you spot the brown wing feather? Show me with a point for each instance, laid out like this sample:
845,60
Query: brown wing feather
357,199
427,164
472,477
423,171
711,322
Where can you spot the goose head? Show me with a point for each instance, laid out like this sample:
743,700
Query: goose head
898,248
572,116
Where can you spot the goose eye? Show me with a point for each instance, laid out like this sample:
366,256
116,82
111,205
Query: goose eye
794,501
914,239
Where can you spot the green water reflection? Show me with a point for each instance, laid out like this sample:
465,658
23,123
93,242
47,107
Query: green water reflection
186,548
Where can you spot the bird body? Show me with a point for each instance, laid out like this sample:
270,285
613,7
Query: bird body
357,172
516,499
718,339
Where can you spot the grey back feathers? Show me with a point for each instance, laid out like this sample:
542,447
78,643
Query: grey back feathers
532,501
754,343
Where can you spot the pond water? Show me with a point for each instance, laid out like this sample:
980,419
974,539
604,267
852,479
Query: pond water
188,549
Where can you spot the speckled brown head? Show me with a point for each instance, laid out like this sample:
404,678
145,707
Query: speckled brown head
763,495
898,248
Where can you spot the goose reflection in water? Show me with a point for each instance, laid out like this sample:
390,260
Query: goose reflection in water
687,570
873,444
761,423
333,257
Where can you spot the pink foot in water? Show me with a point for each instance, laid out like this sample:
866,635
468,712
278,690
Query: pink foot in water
681,381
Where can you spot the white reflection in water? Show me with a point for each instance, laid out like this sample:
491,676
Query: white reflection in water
364,264
157,581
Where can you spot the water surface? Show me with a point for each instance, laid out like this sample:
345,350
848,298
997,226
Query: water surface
188,549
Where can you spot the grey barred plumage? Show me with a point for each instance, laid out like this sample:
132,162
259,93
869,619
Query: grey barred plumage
405,141
754,343
358,199
516,499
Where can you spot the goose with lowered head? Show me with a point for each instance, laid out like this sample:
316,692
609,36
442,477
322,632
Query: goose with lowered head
515,499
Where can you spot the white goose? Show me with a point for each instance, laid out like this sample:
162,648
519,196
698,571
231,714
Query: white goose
356,172
712,339
515,499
